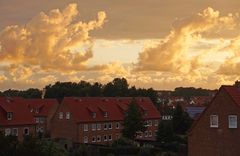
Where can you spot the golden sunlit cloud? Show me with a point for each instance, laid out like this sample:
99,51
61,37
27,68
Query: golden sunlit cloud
49,41
171,54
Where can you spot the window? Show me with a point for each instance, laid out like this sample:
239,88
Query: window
105,114
98,126
26,131
146,133
85,139
109,125
93,127
85,127
99,138
105,138
93,139
9,115
7,131
140,134
214,121
117,136
37,120
149,122
232,121
60,115
14,132
42,120
150,133
94,114
110,137
39,129
156,123
105,126
68,115
117,125
155,134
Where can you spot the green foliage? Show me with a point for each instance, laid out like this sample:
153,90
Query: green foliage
50,148
133,121
145,152
123,142
190,91
8,145
165,132
29,93
181,121
81,151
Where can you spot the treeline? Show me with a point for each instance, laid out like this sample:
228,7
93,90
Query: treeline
119,87
188,92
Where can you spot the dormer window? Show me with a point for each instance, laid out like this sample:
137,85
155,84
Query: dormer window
37,110
68,115
94,114
9,115
105,114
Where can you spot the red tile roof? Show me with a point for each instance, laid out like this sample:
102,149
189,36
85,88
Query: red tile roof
234,92
41,107
82,108
21,114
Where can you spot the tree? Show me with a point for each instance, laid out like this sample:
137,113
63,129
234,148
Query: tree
181,120
133,121
165,131
118,87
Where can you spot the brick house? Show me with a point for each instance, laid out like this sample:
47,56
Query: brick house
15,118
216,132
42,111
99,120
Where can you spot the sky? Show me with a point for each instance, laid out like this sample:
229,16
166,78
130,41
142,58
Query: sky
151,43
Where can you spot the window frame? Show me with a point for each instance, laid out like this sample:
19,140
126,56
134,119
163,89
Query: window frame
85,127
60,115
26,128
68,115
231,126
117,125
94,126
211,121
99,126
85,139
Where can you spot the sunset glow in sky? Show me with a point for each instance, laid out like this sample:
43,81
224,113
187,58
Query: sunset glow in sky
152,43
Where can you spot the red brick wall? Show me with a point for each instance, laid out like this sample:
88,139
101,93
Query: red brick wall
116,133
221,141
63,128
32,130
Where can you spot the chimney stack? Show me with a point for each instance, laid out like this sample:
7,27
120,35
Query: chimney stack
43,93
237,84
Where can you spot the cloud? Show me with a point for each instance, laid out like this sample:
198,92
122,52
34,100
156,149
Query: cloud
2,78
172,53
53,41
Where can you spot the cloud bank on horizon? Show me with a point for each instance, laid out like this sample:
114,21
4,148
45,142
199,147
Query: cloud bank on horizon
201,50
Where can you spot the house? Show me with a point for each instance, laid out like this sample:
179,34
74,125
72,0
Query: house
42,111
216,132
15,118
99,120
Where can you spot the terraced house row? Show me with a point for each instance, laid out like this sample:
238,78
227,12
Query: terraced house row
91,120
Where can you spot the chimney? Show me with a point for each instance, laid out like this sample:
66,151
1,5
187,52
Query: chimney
43,93
237,84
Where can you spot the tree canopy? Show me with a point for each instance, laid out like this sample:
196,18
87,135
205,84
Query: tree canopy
133,121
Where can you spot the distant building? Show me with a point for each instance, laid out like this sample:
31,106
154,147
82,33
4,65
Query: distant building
194,112
15,118
99,120
216,132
